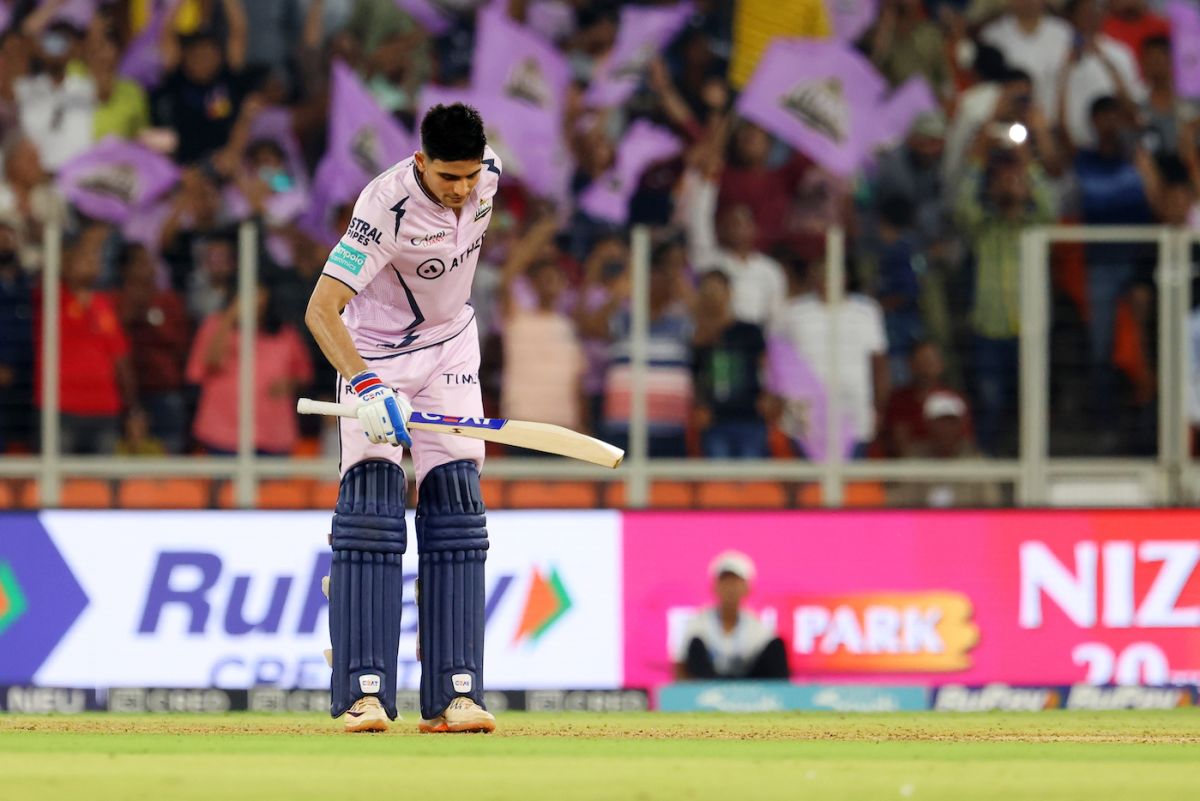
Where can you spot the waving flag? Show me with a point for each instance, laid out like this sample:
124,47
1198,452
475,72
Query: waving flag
427,14
115,179
824,99
791,378
643,33
851,18
513,60
1185,46
364,140
78,13
911,100
142,61
643,144
526,138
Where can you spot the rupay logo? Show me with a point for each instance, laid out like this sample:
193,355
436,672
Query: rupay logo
546,603
12,600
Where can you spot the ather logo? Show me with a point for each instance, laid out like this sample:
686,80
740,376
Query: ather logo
12,600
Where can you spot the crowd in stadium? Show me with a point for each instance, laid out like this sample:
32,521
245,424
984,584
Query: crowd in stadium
1042,114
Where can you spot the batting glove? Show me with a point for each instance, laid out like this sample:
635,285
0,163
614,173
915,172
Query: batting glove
382,412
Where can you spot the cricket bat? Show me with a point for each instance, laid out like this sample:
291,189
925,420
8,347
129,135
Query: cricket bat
543,437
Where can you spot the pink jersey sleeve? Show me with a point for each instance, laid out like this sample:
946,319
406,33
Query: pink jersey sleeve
489,180
369,243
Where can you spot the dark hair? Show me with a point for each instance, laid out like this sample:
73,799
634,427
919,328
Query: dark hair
1158,42
989,64
259,146
129,252
662,250
715,275
1173,170
1102,105
1013,75
896,211
453,133
198,37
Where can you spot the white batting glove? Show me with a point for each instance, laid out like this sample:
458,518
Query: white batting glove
383,413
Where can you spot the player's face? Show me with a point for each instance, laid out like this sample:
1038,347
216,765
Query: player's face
451,182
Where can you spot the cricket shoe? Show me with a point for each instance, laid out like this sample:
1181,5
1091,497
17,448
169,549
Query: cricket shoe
461,715
366,715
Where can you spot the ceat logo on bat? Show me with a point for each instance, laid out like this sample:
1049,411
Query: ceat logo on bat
882,632
545,604
12,600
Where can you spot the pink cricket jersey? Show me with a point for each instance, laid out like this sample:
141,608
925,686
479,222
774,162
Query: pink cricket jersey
410,261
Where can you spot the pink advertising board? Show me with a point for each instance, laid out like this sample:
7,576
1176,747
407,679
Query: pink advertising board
1021,597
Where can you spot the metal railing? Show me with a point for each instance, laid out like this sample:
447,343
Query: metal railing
1171,478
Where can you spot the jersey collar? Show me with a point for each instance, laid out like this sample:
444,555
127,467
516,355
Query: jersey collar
424,189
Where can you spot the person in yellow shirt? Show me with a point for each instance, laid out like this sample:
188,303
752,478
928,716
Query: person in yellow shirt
121,106
757,22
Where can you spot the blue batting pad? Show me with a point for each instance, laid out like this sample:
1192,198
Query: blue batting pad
452,540
365,584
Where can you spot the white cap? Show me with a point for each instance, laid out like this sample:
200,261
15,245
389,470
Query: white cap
944,404
734,562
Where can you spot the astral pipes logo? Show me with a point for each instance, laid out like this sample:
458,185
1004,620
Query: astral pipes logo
546,603
12,600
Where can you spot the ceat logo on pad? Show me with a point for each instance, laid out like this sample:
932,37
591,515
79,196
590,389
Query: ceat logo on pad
368,684
879,632
546,602
12,600
462,682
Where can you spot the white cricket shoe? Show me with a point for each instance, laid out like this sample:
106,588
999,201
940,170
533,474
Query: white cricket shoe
366,715
461,715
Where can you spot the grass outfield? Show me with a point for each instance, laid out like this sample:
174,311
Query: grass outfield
1148,756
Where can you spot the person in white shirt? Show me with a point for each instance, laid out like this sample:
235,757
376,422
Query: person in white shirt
1035,42
759,283
55,108
1096,66
727,641
863,384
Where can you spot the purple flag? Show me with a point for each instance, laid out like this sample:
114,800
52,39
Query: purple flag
364,140
526,138
643,144
851,18
820,97
643,33
142,61
513,60
911,100
115,179
427,15
790,377
1185,45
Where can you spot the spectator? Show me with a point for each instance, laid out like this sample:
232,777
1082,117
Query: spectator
281,365
29,197
1035,42
904,431
543,359
195,214
1113,181
605,292
904,43
945,415
211,284
729,354
157,326
669,373
1096,67
910,174
203,92
1132,24
1169,122
56,106
16,343
1004,191
137,439
759,285
272,29
808,321
769,192
727,640
121,105
96,379
901,268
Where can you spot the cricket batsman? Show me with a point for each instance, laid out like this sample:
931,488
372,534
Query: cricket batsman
390,312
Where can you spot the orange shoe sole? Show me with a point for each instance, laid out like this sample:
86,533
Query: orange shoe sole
442,727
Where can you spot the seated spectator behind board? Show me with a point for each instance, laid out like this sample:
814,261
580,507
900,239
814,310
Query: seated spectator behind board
281,366
904,429
727,641
945,414
730,404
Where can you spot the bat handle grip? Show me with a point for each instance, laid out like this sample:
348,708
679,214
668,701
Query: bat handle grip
309,406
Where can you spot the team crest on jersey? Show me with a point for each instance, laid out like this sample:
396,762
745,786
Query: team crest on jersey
485,208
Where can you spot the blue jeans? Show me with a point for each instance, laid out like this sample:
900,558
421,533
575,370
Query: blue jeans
736,439
995,391
168,418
